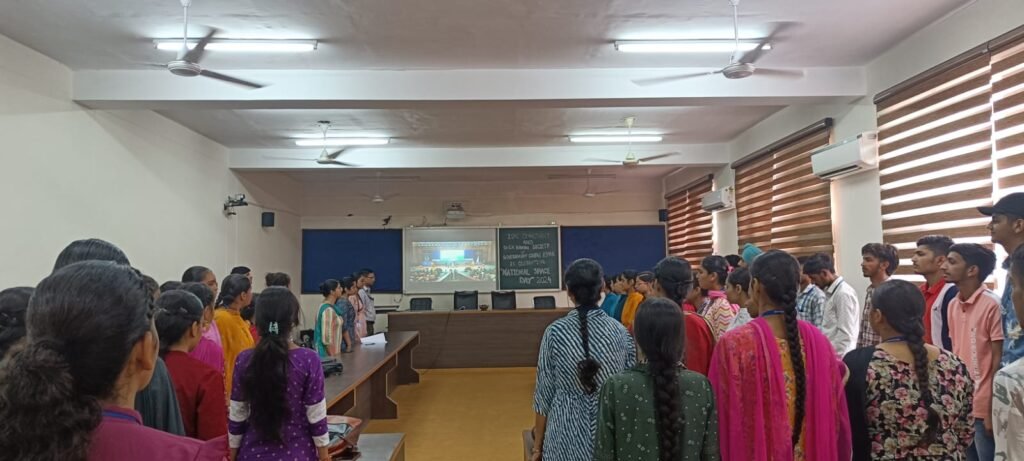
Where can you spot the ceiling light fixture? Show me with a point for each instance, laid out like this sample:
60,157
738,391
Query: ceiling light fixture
271,46
686,46
614,139
341,142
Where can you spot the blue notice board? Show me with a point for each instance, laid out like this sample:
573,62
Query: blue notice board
616,248
336,253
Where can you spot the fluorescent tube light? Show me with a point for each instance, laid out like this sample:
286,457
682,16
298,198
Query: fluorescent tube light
614,139
341,142
686,46
288,46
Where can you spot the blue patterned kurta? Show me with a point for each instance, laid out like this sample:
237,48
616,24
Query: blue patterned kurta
572,414
1013,335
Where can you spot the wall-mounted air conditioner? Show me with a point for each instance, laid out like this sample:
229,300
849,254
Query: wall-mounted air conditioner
846,157
717,200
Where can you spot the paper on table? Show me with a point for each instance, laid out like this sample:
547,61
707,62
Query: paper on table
375,340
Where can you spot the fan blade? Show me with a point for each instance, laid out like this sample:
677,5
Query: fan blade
153,64
655,157
334,162
784,73
603,160
667,79
607,192
267,157
196,53
753,55
389,197
336,153
230,79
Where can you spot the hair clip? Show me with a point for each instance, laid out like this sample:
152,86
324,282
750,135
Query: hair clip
273,329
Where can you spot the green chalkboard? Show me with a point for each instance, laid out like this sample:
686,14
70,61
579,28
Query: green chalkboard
528,258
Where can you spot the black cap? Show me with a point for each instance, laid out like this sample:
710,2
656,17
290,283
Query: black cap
1012,205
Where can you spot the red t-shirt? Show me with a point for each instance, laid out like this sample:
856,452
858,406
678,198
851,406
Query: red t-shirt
930,295
700,343
200,391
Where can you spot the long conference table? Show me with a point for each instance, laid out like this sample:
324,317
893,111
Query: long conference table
476,339
372,372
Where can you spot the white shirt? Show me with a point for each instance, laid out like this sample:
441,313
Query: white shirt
371,312
841,322
1008,411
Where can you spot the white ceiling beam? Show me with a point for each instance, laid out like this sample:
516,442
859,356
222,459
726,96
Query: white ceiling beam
157,89
484,157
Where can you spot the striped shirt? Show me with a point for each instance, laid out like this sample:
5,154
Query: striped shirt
867,336
810,304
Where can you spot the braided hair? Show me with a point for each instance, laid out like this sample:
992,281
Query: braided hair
13,304
902,304
674,277
177,311
660,335
779,273
584,280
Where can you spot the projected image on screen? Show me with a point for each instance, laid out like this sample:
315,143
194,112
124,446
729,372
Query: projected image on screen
448,260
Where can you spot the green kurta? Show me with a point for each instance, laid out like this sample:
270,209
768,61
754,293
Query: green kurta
626,428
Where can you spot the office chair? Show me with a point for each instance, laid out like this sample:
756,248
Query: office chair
421,304
503,300
467,301
544,302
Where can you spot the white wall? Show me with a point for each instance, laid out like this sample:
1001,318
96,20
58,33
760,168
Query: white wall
856,200
134,178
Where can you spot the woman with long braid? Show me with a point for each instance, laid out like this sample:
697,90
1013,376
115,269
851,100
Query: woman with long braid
672,280
777,380
658,403
577,354
907,399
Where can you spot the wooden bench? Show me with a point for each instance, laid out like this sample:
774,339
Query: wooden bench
382,447
371,373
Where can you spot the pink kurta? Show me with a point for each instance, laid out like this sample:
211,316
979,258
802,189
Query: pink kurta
209,350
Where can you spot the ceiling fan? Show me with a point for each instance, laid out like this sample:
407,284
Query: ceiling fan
591,194
739,66
377,198
631,159
326,158
187,62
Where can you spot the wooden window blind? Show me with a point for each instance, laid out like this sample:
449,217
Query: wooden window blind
935,158
1008,116
689,226
780,204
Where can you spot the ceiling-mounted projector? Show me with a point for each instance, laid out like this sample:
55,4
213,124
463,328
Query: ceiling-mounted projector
455,211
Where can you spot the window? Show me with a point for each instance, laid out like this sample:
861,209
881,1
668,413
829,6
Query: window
1008,116
689,226
780,204
935,158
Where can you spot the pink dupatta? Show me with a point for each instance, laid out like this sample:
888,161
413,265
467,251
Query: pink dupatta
753,417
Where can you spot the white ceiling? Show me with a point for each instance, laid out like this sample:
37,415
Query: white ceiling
464,34
471,124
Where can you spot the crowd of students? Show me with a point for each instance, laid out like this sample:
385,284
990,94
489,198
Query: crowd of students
101,363
767,357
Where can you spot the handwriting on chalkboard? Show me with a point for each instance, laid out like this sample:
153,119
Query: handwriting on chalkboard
529,258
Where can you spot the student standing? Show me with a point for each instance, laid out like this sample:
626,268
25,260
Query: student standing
278,279
13,304
327,334
695,298
611,299
1008,391
366,281
200,274
350,339
907,399
810,302
643,283
711,276
69,393
278,409
927,261
357,303
736,289
657,403
1007,229
156,402
841,315
633,298
235,294
778,382
878,262
977,333
209,350
673,279
242,270
200,388
577,354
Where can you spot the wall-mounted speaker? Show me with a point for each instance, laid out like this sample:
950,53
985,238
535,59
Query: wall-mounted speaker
663,215
267,219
